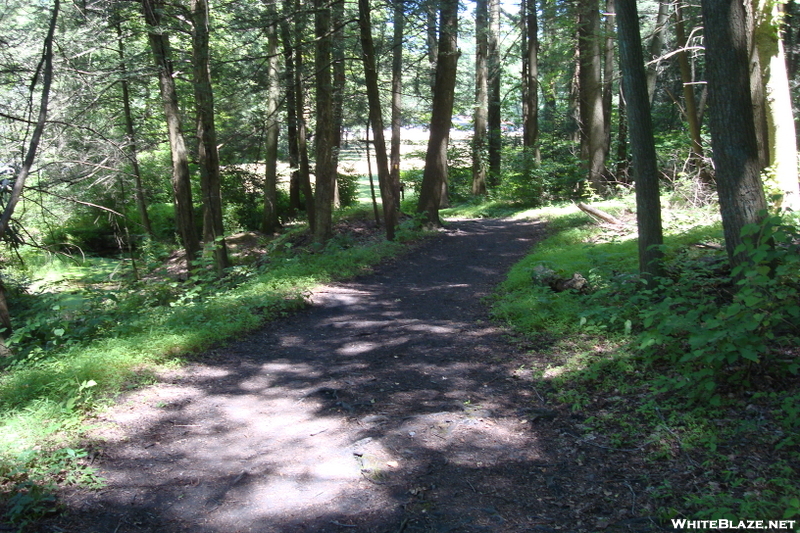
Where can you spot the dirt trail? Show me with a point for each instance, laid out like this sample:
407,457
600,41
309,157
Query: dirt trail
388,406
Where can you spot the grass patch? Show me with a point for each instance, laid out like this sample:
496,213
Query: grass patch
718,432
69,359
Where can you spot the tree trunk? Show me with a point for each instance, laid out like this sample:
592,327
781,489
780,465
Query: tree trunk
656,45
692,116
133,153
591,94
397,94
46,72
181,181
481,98
733,136
376,119
757,89
431,29
435,173
781,135
325,137
339,81
608,75
645,169
495,99
302,136
208,155
530,119
291,114
269,222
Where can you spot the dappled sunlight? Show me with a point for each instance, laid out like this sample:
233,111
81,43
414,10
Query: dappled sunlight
339,415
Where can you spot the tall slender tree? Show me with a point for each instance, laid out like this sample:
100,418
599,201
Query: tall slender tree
494,117
645,169
130,130
376,119
398,22
781,133
481,97
181,179
207,151
325,134
591,94
435,173
269,222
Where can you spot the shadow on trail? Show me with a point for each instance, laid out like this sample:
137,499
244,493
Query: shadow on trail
388,406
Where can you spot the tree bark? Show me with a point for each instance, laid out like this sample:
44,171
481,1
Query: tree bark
656,45
133,152
781,134
692,116
481,98
339,82
181,181
291,114
325,137
733,136
207,152
645,168
269,222
530,120
397,96
376,119
591,94
608,74
302,136
495,99
435,173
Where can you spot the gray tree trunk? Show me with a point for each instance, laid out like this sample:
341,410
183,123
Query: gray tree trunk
181,180
645,167
733,135
376,119
207,152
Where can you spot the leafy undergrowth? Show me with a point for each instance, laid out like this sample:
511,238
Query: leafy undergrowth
696,373
88,338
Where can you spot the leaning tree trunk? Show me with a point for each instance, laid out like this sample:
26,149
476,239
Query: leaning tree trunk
656,45
181,181
733,135
207,152
645,169
45,70
435,173
376,119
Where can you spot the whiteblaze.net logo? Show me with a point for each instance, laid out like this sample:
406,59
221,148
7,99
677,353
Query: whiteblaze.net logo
723,523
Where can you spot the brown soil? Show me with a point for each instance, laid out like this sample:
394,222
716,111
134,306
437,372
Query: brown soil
393,404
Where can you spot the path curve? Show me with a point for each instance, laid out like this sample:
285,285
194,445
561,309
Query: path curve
387,406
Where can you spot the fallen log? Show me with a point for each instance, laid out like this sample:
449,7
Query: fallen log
598,214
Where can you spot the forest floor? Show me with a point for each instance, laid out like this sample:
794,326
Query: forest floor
391,404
